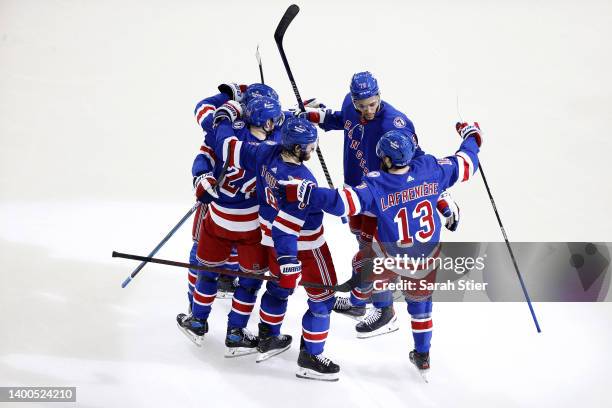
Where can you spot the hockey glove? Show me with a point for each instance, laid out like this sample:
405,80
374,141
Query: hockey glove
314,115
204,186
449,210
313,103
295,190
290,272
230,110
233,91
466,131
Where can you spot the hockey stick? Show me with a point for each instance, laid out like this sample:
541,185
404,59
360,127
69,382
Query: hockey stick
343,287
503,230
279,34
258,56
161,244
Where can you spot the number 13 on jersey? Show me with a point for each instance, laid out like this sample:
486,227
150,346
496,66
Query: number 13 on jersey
423,211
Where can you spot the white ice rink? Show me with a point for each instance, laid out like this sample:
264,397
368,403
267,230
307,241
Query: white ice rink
97,138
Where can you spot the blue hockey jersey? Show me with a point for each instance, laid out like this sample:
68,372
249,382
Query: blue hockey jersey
404,203
237,207
289,227
206,158
361,137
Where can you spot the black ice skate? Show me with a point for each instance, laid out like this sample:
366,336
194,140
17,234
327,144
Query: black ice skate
270,345
226,286
240,342
343,306
377,322
192,327
316,367
421,362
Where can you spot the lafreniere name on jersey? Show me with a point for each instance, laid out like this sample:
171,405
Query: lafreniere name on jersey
409,194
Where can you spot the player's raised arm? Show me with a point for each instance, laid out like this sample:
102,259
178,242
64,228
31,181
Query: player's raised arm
463,164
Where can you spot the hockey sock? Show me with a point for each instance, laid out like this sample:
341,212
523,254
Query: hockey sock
243,302
192,274
204,294
315,325
273,306
422,325
382,299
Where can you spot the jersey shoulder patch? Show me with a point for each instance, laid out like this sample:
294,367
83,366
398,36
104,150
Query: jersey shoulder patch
399,122
373,174
239,124
361,186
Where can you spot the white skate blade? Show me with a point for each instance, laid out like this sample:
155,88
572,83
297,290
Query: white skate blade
313,375
264,356
231,352
424,374
197,340
386,329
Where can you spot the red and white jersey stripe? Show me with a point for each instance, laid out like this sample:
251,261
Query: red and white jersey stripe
235,219
465,166
208,153
307,239
350,201
203,111
288,223
231,151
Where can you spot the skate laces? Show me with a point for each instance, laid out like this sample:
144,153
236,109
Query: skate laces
248,334
323,360
373,316
342,303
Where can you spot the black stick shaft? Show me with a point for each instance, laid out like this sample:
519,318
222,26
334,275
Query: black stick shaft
344,287
516,268
279,34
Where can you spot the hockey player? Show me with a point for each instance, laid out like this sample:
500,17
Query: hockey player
364,117
202,170
232,221
293,236
402,197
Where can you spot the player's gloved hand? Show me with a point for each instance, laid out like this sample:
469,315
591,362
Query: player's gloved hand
314,115
230,110
449,210
204,186
313,103
290,272
233,91
295,190
465,130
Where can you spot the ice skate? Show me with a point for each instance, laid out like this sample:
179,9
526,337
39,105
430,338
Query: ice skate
421,362
377,322
192,327
270,345
240,342
344,307
316,367
226,286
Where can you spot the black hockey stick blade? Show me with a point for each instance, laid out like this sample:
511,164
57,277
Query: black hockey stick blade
343,287
287,18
